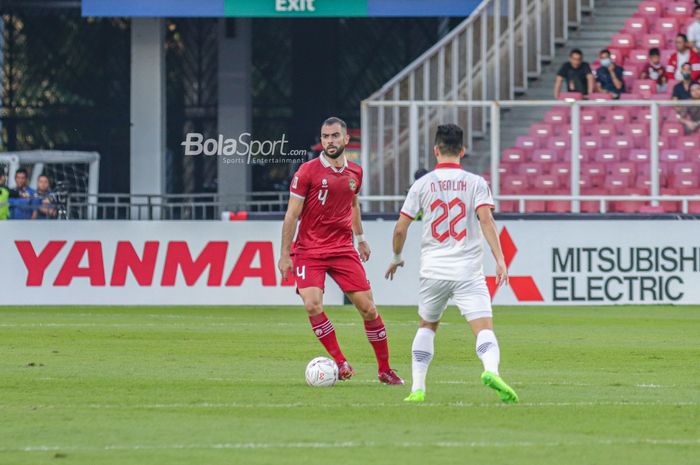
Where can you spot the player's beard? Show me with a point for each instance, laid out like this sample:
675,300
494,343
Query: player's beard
338,152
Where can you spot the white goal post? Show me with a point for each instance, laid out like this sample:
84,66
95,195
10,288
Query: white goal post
39,159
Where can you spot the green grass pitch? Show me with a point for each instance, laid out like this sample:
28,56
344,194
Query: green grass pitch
153,385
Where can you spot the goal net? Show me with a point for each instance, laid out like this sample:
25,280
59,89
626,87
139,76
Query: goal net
70,172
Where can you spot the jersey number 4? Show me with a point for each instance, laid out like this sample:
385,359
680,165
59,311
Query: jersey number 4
443,215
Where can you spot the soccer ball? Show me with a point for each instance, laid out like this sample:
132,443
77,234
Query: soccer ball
321,372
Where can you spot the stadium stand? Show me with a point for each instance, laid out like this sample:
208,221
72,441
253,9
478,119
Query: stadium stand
614,140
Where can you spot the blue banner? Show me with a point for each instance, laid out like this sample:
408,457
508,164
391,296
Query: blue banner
278,8
154,8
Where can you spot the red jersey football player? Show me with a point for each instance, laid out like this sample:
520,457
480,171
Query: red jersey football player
324,197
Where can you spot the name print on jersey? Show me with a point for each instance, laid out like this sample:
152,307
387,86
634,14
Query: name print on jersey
448,185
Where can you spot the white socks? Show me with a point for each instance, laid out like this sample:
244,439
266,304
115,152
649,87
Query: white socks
422,354
487,350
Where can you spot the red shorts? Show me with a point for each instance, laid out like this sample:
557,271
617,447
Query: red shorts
346,270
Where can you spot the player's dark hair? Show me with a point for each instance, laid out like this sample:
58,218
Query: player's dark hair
335,120
687,63
696,9
605,50
449,139
576,51
685,37
21,171
654,52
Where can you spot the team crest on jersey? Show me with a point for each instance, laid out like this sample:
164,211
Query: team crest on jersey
353,184
295,182
324,183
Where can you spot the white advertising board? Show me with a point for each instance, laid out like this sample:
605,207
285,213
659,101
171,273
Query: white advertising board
577,262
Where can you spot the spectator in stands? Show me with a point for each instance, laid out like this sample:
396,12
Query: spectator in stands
683,55
694,30
609,76
577,73
690,116
22,197
681,91
45,200
4,198
654,70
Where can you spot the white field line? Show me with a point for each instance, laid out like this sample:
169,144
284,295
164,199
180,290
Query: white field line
356,445
316,405
445,382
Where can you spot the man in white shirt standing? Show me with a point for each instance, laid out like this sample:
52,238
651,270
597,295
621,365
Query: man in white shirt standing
457,208
694,30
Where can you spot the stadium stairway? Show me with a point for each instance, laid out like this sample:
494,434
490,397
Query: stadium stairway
595,33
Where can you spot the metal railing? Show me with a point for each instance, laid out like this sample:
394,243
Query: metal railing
425,158
489,56
170,206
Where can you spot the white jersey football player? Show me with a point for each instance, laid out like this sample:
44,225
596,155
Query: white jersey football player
456,208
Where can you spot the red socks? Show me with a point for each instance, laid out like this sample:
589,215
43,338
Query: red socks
376,334
324,331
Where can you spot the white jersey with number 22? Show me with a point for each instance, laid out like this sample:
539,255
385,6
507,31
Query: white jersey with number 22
451,245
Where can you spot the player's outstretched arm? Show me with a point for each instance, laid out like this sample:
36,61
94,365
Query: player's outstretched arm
288,229
398,241
362,245
488,227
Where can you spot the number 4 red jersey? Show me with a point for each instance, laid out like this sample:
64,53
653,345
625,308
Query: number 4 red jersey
325,226
452,245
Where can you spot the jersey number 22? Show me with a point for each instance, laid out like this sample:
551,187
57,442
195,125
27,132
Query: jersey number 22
443,215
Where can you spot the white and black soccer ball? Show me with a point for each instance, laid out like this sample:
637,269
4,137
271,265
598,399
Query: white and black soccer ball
321,372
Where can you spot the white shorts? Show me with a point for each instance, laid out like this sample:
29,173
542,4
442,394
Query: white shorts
471,297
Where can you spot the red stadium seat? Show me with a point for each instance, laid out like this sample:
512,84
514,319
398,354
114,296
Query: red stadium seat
563,171
514,184
639,155
621,142
638,25
639,134
626,170
672,129
529,170
541,130
686,184
639,56
650,10
607,156
688,143
546,156
591,143
513,155
681,10
604,130
672,155
559,142
669,27
679,170
644,87
653,40
527,142
597,96
589,116
623,41
595,172
557,116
